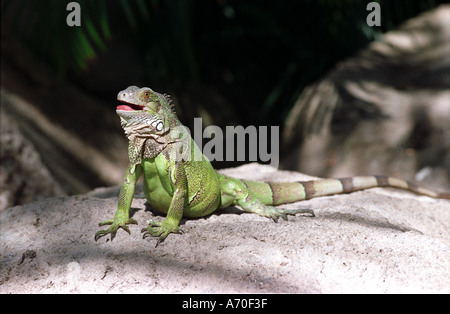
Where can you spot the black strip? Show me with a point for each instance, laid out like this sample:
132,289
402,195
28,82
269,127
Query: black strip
412,186
310,190
209,205
196,196
347,185
382,180
246,185
275,191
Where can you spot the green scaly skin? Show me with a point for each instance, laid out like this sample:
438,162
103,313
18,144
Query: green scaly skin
179,181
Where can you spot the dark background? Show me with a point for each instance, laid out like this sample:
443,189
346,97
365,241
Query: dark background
258,55
229,62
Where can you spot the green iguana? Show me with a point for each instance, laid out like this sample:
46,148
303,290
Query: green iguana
180,181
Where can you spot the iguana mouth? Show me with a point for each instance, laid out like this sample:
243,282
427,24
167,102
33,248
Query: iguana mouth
130,107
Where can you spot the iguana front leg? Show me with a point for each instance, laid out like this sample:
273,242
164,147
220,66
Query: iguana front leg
169,225
122,217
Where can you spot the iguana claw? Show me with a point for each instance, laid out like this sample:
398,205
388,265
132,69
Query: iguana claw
115,223
160,229
275,213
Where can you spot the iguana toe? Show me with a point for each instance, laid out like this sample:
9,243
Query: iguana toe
298,211
160,230
275,213
115,223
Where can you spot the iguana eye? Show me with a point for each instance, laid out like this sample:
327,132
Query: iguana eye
146,95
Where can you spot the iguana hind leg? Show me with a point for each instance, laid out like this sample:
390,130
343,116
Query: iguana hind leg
235,192
252,205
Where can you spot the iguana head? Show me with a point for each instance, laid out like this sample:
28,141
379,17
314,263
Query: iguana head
143,121
144,111
135,99
148,121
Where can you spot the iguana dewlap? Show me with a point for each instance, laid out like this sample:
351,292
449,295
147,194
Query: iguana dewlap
179,181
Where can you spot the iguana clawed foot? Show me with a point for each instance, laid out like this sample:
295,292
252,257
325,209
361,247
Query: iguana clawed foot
116,223
160,229
275,213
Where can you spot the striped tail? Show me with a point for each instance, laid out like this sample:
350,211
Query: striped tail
277,193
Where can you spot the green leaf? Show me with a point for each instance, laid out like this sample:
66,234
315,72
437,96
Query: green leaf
94,34
128,13
103,19
143,9
86,49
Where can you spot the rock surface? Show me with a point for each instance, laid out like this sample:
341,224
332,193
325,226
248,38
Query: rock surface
373,241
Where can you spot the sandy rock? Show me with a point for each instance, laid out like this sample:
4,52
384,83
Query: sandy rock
376,241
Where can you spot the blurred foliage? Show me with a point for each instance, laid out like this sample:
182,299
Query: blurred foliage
259,54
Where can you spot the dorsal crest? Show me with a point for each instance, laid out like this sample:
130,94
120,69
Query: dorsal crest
169,102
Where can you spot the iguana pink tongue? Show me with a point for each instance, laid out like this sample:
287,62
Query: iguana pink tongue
125,108
129,107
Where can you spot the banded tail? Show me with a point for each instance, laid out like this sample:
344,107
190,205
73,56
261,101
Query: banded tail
277,193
